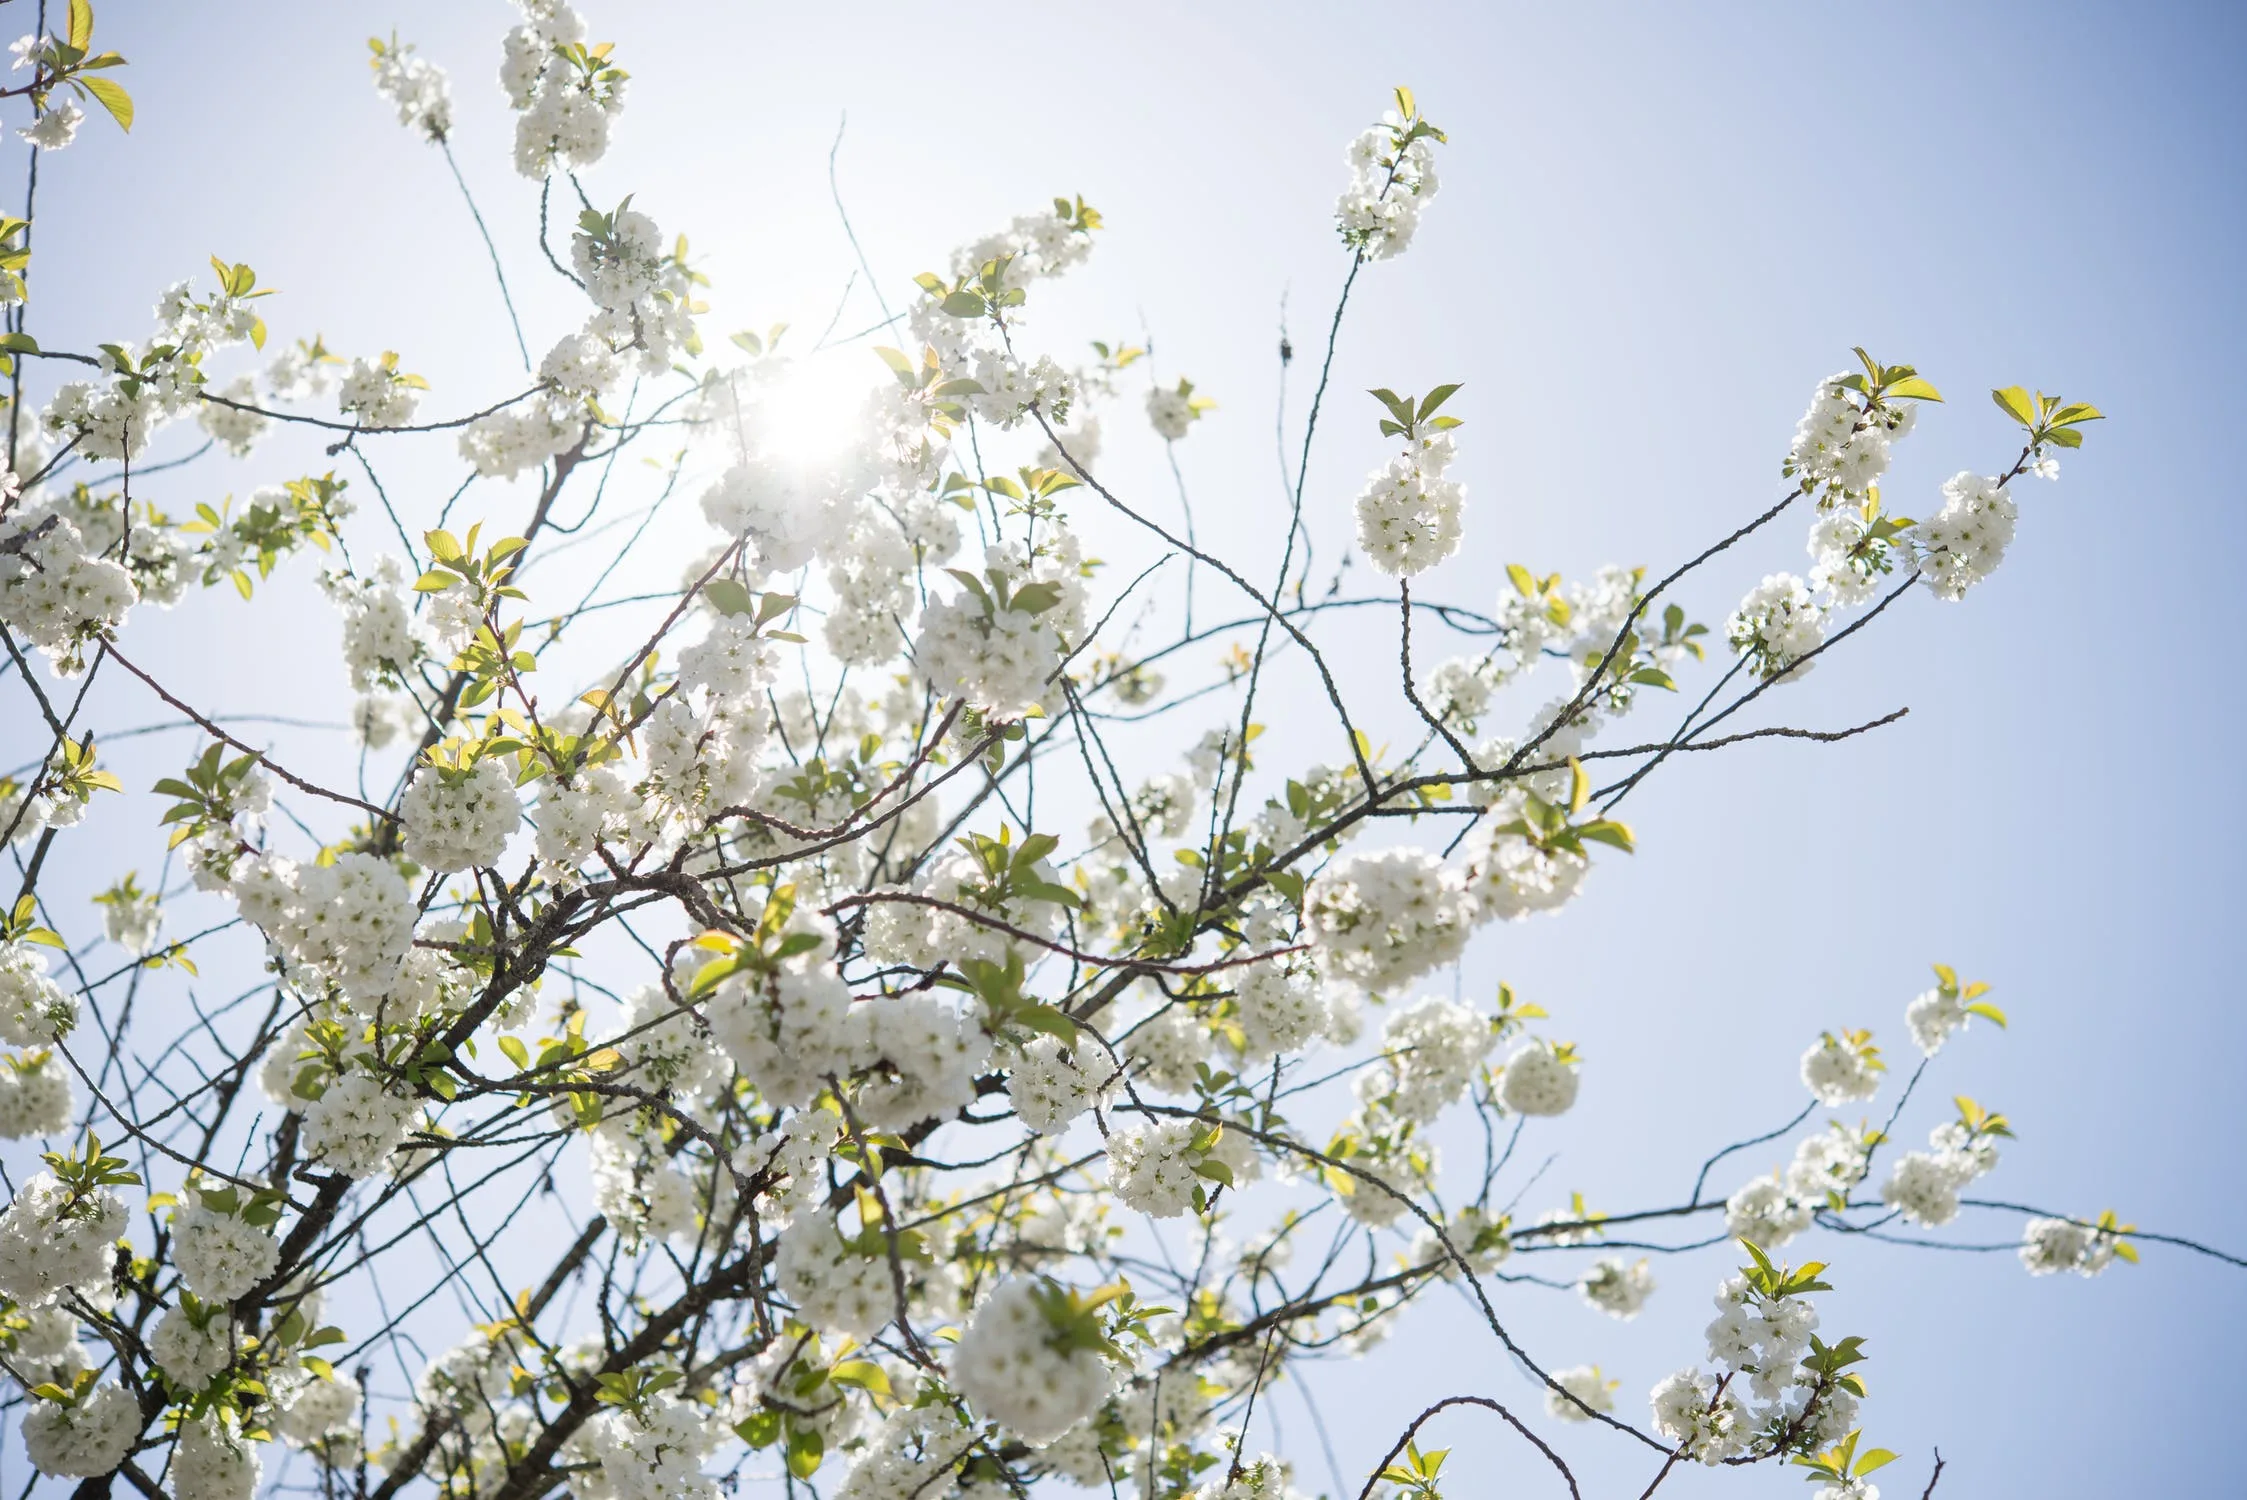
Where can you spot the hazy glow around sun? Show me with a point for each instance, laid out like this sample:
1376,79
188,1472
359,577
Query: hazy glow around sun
816,405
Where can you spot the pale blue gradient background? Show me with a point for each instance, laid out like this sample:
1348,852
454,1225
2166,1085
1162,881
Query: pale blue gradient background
1656,230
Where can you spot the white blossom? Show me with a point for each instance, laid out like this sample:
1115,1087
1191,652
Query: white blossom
922,1056
1051,1085
417,86
85,1439
321,1411
56,127
378,394
1842,1069
2052,1245
1431,1052
458,820
506,443
58,594
52,1240
656,1453
1390,186
1281,1009
1012,1366
219,1254
34,1010
1776,625
1151,1166
1409,512
1962,544
1924,1187
233,428
214,1460
1387,918
788,1032
357,1123
833,1286
1706,1425
1589,1390
1539,1080
192,1353
1616,1287
35,1096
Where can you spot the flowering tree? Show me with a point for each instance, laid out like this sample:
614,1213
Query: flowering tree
813,1035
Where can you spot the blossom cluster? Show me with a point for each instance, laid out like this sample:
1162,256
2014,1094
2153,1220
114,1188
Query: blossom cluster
738,951
564,92
1392,180
417,86
1016,1366
1924,1185
1409,512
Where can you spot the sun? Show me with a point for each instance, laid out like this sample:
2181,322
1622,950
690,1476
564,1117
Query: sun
813,410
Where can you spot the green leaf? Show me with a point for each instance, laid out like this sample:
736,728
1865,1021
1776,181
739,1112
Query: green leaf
81,24
1046,890
1913,388
1035,598
971,583
862,1373
1399,407
111,95
1608,831
1052,1022
1987,1011
1436,398
711,974
805,1449
729,596
2015,403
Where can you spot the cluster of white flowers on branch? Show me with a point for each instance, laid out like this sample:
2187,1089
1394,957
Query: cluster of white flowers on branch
707,1021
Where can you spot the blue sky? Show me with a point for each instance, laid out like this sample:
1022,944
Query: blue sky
1658,227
